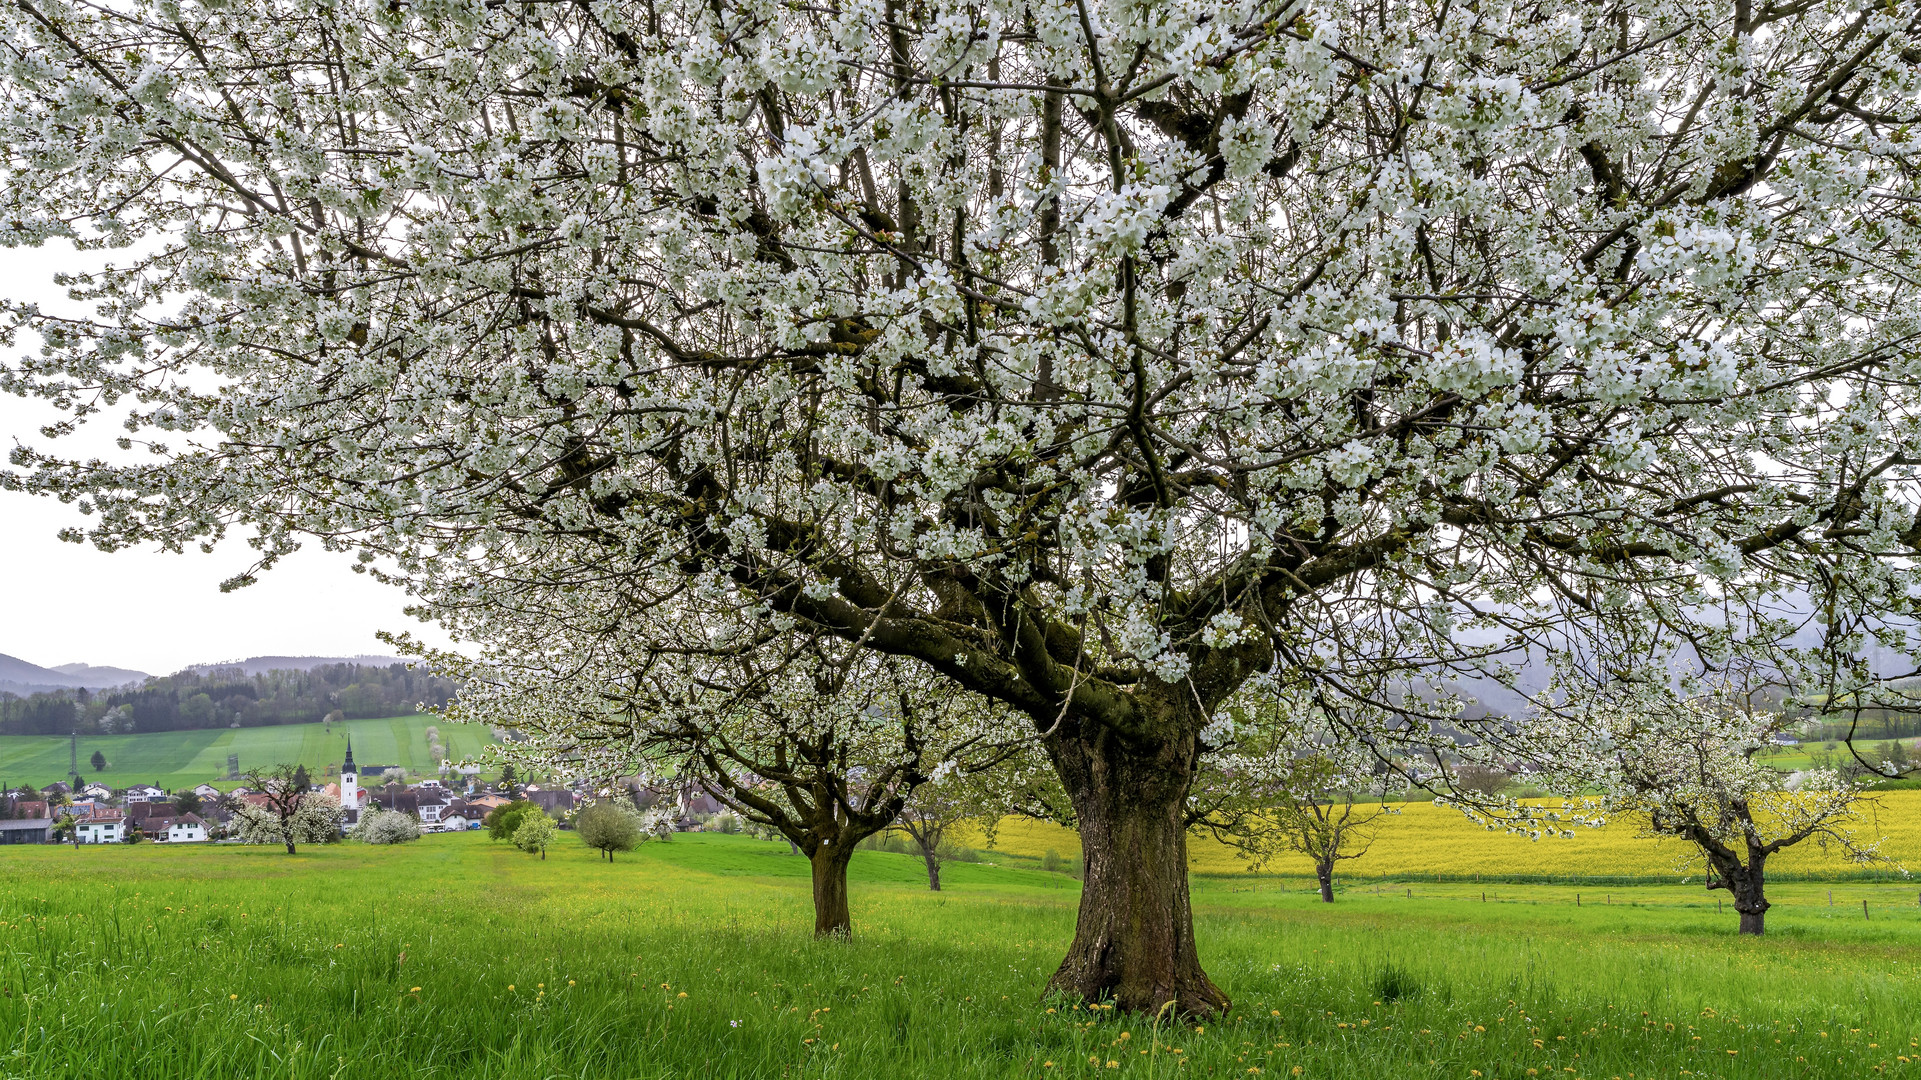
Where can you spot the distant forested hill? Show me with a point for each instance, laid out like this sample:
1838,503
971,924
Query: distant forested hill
227,697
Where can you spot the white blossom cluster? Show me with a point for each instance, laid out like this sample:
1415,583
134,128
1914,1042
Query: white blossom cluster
385,827
316,820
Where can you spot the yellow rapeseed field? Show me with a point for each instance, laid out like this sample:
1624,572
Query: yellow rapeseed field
1428,839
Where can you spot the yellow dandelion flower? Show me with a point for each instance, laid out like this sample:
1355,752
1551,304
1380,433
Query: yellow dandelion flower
510,986
415,990
683,993
1113,1064
233,997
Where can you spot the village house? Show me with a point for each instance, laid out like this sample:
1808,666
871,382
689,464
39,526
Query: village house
101,825
432,802
145,793
183,829
555,802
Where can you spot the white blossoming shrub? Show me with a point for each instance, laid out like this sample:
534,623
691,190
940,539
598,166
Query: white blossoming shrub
317,821
385,827
659,824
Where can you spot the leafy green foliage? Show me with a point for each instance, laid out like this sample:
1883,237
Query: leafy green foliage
535,833
608,827
502,821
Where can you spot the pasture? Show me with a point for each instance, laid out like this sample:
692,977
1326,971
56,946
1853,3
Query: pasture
457,957
173,759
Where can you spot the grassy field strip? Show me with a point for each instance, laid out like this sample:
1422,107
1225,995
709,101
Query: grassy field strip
455,957
1429,839
175,758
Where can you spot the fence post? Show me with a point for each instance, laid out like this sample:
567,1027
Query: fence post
1864,907
1577,899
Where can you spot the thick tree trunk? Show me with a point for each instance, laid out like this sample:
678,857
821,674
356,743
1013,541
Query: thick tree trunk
1326,876
1748,886
1750,897
290,849
831,916
933,872
1134,942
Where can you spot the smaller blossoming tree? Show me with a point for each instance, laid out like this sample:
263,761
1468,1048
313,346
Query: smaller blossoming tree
821,743
386,827
286,812
1684,767
1306,802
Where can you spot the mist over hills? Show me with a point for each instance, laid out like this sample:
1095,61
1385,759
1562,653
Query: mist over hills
260,665
21,678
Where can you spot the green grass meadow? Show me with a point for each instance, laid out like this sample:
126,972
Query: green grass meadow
173,759
459,957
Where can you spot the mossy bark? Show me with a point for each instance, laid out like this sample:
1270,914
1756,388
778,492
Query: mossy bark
1748,885
832,917
1134,941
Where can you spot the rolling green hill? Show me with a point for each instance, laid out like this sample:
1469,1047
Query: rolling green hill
173,759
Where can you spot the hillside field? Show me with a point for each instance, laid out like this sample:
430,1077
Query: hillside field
457,957
172,759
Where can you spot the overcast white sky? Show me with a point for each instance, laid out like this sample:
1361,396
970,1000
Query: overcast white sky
63,603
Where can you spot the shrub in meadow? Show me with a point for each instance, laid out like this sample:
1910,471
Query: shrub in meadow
609,827
385,827
502,821
536,831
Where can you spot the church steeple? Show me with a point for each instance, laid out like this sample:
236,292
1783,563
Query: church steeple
349,780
